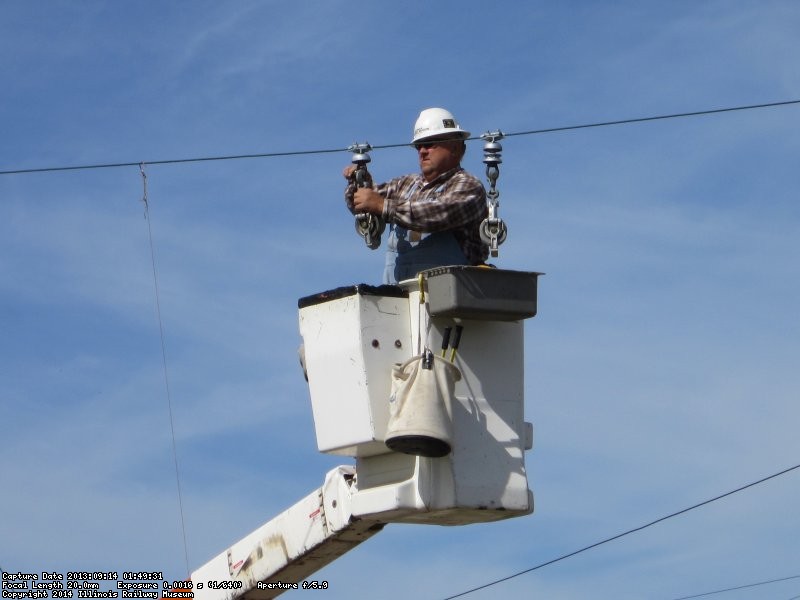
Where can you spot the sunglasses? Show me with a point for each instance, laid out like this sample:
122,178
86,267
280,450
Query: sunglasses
428,145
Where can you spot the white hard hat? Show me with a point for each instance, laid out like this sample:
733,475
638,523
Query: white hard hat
434,122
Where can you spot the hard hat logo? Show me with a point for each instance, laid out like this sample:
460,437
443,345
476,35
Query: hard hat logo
437,122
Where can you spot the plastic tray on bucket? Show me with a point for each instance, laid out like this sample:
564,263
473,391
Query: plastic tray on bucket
481,293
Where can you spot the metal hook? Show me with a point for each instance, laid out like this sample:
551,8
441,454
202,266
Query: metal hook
368,226
493,230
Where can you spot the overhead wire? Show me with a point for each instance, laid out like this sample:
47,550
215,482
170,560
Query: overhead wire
625,533
739,587
697,113
173,161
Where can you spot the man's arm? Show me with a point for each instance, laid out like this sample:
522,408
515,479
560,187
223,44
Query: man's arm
459,202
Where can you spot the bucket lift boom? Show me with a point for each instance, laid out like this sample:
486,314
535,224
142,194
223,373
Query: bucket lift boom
352,338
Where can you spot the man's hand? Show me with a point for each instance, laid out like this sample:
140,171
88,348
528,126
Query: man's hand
367,200
349,172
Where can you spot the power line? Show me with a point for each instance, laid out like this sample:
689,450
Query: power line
656,118
623,534
172,161
385,146
739,587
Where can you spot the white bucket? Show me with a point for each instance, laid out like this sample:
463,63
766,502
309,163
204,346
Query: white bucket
420,413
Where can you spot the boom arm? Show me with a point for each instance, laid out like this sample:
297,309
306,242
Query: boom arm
283,552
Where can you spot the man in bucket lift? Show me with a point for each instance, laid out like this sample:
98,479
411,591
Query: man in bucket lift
434,216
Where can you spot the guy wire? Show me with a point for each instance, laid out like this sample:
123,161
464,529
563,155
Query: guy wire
164,363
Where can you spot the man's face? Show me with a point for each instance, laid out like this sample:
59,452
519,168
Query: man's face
438,156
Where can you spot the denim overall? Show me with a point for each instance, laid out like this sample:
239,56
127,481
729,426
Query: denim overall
405,258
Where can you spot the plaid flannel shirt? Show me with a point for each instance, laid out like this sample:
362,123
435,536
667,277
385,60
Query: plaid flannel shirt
455,201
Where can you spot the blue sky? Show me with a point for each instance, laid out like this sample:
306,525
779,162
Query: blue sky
660,371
